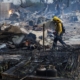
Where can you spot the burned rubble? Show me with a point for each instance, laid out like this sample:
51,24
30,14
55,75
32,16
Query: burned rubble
25,47
32,60
44,64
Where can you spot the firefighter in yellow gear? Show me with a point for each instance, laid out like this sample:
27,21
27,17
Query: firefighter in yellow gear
58,25
58,32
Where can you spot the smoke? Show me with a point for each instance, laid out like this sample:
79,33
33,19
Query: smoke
16,2
49,1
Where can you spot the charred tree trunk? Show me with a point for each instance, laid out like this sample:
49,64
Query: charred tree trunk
25,4
68,2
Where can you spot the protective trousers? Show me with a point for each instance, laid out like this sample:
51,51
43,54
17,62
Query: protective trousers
58,38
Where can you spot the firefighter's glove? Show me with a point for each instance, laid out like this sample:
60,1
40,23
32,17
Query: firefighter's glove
54,33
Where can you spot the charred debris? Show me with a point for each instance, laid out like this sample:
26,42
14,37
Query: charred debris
25,50
22,57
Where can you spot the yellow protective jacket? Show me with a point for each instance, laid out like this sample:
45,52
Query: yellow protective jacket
58,23
58,28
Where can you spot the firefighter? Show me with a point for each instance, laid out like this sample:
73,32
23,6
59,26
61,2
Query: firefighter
58,32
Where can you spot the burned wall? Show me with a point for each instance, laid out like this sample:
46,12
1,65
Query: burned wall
4,8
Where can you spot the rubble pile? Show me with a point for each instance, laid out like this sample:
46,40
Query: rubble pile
13,37
46,64
35,60
25,47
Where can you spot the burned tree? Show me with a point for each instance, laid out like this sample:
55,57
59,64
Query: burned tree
25,4
68,3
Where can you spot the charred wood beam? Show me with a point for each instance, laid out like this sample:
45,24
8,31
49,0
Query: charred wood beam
12,52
